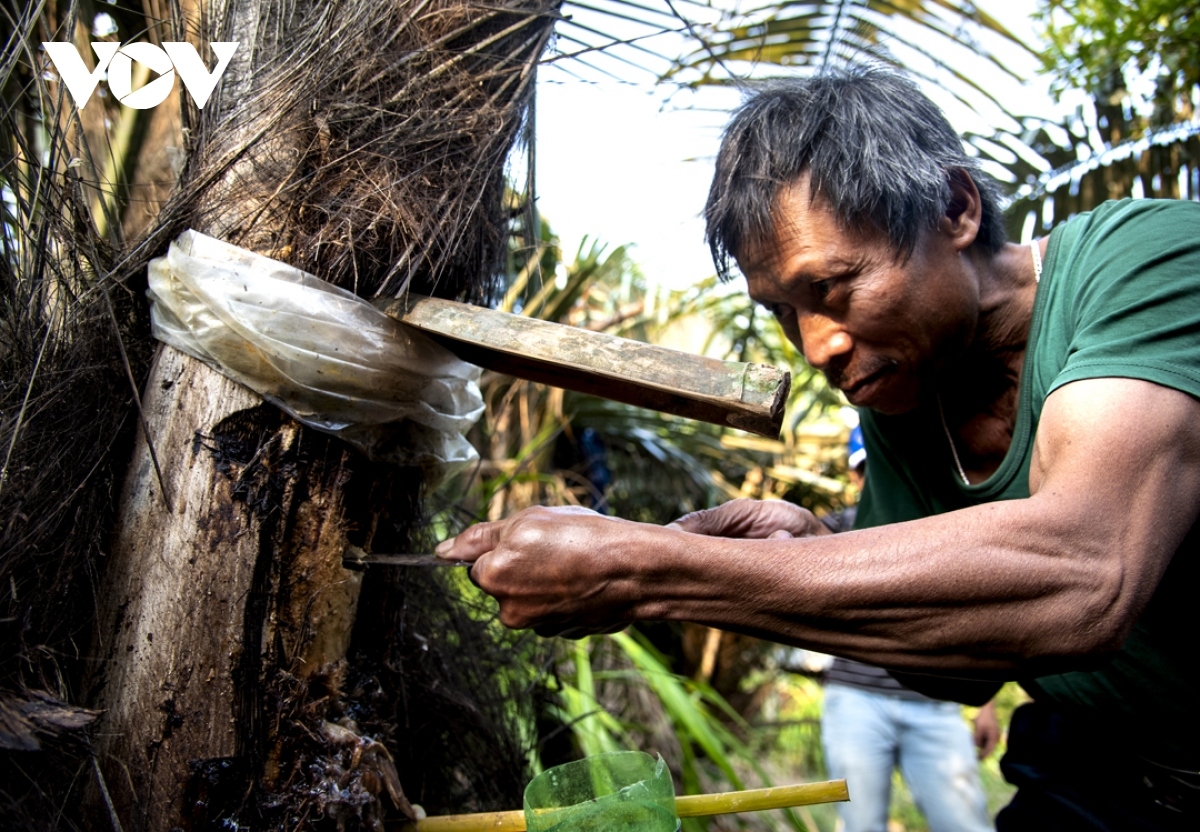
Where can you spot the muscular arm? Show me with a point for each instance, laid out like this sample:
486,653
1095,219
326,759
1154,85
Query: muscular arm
1033,585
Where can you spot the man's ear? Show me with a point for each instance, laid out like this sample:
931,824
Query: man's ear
964,213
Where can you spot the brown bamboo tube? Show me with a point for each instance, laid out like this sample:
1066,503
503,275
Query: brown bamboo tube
687,806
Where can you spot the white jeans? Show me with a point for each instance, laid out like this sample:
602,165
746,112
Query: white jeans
866,735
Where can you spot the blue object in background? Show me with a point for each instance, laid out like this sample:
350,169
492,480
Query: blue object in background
858,453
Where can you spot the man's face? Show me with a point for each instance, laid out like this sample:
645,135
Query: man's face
876,326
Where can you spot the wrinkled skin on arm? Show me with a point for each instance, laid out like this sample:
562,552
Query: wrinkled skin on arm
1032,586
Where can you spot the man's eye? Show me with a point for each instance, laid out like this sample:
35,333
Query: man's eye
822,288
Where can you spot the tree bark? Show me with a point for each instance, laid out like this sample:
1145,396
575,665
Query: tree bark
165,682
217,600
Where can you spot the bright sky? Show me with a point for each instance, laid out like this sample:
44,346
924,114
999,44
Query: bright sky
615,163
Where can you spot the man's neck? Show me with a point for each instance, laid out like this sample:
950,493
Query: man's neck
980,390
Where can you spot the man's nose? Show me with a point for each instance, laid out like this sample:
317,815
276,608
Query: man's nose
822,339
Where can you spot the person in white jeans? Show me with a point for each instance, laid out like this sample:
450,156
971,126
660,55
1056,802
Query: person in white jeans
867,734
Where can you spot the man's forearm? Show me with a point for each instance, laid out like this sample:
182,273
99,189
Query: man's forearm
992,589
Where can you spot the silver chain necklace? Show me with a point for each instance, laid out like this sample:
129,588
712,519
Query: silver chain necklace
1035,251
958,466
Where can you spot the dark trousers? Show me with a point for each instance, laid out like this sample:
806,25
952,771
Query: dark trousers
1072,776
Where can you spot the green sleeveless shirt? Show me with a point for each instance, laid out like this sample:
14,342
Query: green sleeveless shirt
1119,297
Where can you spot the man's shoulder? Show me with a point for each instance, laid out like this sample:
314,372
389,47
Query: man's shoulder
1098,258
1116,216
1121,299
1117,208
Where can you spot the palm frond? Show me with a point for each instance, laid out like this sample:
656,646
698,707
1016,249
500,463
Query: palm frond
625,39
946,44
1163,163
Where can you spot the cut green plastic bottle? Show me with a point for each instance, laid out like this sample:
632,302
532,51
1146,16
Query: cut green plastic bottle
623,790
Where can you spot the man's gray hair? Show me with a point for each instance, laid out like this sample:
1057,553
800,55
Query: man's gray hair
877,150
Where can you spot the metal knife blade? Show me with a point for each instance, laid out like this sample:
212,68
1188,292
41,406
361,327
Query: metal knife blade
356,557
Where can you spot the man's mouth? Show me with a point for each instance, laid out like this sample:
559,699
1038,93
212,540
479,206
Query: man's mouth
853,390
861,388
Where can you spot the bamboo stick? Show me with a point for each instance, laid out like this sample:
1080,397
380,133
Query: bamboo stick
757,800
513,821
687,806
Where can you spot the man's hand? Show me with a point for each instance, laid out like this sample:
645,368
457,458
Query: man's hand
987,730
562,571
572,572
752,519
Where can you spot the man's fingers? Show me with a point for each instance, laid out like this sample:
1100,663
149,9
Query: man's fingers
751,518
541,566
471,542
714,522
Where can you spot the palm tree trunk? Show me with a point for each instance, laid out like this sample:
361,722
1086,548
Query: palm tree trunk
213,600
226,616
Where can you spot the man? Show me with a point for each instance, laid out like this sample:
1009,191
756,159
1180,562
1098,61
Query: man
1034,446
871,724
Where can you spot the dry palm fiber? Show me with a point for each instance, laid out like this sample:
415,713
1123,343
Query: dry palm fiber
363,142
371,154
65,398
